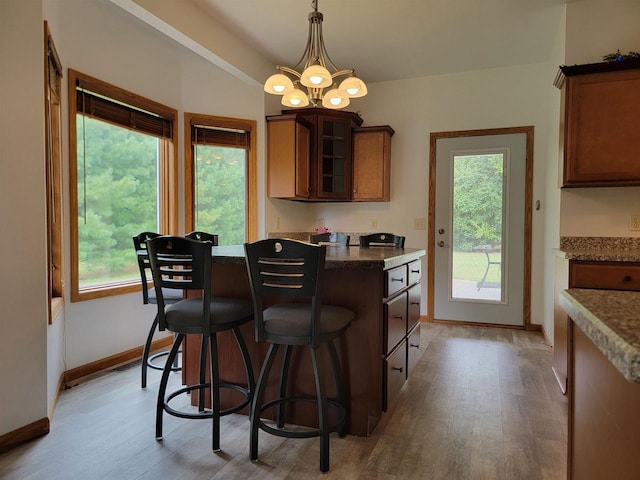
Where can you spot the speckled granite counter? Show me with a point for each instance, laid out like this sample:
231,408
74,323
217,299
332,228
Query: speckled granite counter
611,320
338,257
600,249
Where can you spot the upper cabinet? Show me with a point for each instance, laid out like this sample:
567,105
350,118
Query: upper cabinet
341,159
371,164
601,131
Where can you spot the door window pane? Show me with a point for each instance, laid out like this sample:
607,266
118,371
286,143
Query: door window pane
478,206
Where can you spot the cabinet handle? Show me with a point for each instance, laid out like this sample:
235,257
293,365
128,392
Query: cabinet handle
415,271
414,346
415,303
397,369
627,278
401,279
398,317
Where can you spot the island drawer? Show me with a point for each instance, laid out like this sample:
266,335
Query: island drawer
415,271
396,280
394,373
605,275
413,306
396,321
413,348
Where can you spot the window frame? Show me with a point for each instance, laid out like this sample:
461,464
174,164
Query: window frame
168,183
250,126
53,74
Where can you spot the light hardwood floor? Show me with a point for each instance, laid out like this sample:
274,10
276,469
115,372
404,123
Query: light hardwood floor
481,404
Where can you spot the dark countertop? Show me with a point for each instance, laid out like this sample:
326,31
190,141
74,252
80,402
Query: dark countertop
611,320
338,257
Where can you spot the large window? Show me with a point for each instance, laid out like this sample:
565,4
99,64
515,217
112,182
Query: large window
53,168
221,177
122,181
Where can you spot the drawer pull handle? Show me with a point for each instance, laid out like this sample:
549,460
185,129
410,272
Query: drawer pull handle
627,278
397,279
397,369
414,345
415,271
398,317
415,303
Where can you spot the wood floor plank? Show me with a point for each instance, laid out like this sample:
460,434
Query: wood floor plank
481,403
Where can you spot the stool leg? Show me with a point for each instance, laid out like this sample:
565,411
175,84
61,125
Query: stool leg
322,412
203,371
215,392
284,376
256,404
147,349
163,384
248,367
338,374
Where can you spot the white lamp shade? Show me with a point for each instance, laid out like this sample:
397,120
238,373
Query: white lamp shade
316,76
334,98
296,99
278,84
353,87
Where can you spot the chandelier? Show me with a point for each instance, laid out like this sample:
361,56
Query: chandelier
320,84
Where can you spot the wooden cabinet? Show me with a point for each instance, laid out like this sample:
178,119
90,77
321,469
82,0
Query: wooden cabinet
604,416
401,328
372,163
584,274
601,124
288,147
343,161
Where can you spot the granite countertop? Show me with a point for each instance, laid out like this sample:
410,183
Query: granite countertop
611,320
600,249
338,257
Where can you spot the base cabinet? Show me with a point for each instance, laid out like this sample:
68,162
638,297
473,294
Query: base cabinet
401,328
604,416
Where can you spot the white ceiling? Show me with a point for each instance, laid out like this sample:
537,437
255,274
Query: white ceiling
397,39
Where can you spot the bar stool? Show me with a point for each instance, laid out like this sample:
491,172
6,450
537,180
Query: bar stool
178,262
291,272
337,239
149,297
382,240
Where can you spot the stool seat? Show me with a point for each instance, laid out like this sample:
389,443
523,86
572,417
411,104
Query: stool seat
186,315
290,323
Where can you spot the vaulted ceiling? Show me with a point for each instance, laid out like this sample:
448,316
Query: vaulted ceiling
398,39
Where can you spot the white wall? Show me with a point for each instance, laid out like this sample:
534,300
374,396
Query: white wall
23,317
101,40
596,28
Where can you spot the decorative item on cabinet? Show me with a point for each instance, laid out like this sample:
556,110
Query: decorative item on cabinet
601,123
342,157
372,163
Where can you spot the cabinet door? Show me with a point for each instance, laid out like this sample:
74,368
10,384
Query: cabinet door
371,164
602,129
334,159
287,158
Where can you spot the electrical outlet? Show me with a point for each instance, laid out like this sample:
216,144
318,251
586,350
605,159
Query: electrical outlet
374,223
420,223
634,223
278,223
320,222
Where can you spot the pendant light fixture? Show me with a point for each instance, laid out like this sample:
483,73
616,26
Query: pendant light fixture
312,82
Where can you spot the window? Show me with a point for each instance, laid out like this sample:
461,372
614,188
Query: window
220,177
53,168
122,178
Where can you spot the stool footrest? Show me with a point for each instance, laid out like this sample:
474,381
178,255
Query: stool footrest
150,360
206,414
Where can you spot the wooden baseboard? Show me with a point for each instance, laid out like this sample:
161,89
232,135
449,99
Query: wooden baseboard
547,340
112,361
24,434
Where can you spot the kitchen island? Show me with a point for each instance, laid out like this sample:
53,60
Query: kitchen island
604,385
375,351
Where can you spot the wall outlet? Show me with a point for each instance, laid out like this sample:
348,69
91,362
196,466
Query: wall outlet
278,223
634,223
374,223
420,223
320,223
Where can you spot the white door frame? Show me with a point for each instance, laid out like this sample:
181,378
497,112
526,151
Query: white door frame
526,314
